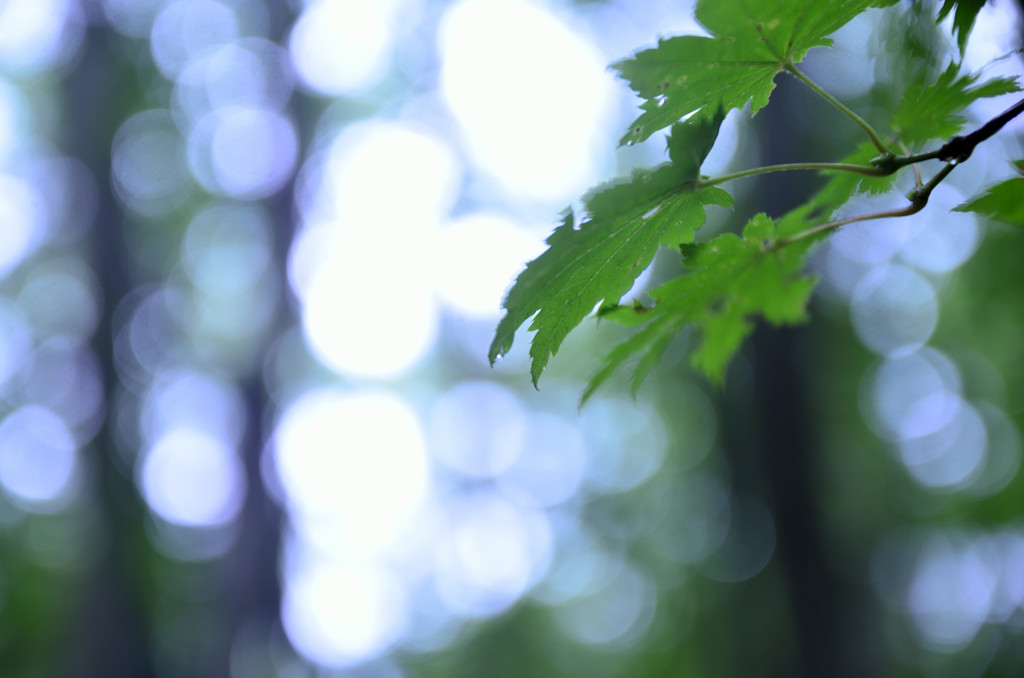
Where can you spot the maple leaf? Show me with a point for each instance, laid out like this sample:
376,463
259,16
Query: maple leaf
1001,202
599,260
732,280
935,111
752,42
963,18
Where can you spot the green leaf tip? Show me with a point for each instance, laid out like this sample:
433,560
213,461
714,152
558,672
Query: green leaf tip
1001,202
935,110
963,18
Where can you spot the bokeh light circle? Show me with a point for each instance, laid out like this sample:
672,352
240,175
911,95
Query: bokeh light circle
149,165
491,554
192,478
341,615
355,460
186,29
242,152
38,457
894,310
611,616
478,428
525,86
24,220
340,47
478,257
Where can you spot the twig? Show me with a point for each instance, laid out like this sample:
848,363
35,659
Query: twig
959,148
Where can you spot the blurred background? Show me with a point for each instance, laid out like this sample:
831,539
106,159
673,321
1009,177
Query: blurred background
251,258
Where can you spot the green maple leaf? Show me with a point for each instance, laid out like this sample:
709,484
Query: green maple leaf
934,111
1001,202
732,280
752,42
963,18
598,261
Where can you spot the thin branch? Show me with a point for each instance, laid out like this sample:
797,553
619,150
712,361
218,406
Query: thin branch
918,199
919,196
956,149
960,148
831,225
861,122
788,167
890,164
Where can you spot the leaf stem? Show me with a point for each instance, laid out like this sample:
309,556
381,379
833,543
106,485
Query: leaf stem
786,167
861,122
831,225
957,149
918,199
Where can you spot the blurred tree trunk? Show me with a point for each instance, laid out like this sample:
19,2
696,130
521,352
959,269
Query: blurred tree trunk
110,633
776,459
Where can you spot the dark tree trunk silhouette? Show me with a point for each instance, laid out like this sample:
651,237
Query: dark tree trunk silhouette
110,632
779,459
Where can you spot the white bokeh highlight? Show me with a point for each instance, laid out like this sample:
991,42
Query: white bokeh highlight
531,94
192,478
340,615
353,463
39,34
361,265
339,47
478,256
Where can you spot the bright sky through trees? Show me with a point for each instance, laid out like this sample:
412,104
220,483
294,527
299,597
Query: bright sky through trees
492,81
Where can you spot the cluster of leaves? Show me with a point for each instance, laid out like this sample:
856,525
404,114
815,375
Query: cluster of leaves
690,83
